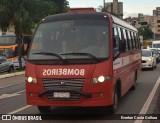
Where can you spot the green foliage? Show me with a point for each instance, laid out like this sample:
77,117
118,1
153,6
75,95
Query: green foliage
146,32
24,14
102,9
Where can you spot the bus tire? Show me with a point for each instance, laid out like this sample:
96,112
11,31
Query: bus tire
44,109
134,84
113,107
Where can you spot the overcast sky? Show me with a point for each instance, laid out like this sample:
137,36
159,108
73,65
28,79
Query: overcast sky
131,7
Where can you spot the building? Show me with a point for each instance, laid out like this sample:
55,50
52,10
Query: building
156,27
156,12
115,7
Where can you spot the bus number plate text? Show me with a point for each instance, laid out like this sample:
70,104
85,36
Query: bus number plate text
61,95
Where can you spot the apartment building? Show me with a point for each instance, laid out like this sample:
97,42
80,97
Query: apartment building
156,12
115,7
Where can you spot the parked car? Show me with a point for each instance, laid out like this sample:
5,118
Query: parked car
16,63
5,65
148,59
156,54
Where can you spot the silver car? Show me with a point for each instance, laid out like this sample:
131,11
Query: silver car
156,54
148,59
5,65
16,63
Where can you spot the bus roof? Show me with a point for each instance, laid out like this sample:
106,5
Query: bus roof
74,16
75,10
87,15
121,22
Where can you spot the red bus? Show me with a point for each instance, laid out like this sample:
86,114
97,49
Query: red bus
82,59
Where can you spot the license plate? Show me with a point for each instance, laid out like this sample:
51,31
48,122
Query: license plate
61,95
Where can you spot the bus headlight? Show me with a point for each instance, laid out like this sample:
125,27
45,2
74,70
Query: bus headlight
31,80
100,79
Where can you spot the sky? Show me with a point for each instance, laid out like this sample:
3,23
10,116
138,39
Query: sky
130,7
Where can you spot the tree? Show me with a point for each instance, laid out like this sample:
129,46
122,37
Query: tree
23,14
102,9
146,32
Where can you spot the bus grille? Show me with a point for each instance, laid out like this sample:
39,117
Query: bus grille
76,84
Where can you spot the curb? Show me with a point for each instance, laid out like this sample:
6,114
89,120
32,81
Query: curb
11,74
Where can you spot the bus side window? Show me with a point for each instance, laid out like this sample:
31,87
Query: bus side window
137,40
119,33
133,41
122,40
128,40
125,38
115,41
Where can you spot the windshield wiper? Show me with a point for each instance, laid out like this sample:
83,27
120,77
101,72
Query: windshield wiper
50,54
82,54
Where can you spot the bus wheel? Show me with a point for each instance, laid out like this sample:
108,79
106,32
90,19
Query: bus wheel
134,84
113,107
44,109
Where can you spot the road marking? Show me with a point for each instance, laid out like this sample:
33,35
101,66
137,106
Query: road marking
12,74
20,109
11,85
3,96
148,101
20,91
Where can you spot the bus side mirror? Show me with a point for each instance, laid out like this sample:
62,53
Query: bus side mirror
122,45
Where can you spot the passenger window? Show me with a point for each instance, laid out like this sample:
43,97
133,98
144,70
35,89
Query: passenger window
130,41
119,33
138,43
135,40
125,38
115,41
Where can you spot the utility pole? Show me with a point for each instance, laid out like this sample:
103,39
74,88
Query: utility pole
104,3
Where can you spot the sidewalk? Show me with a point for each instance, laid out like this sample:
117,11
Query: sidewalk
12,74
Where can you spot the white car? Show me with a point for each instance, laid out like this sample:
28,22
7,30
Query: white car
148,59
16,63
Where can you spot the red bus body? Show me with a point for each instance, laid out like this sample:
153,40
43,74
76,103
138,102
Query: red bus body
121,72
75,10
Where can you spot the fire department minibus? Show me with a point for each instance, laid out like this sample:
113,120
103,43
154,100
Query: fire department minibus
84,59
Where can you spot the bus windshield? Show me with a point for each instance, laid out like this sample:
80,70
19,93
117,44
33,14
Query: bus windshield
71,39
156,45
7,40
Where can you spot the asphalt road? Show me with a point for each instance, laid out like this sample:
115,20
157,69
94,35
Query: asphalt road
12,101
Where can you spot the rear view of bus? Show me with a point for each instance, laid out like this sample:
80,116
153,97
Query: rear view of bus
9,46
70,63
